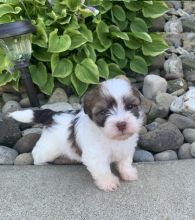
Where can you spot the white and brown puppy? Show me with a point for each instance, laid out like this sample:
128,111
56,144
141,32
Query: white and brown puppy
104,131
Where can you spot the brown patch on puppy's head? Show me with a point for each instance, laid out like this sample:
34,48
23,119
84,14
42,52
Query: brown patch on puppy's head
90,98
97,105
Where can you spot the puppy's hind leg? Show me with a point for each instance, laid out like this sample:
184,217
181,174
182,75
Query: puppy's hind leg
45,151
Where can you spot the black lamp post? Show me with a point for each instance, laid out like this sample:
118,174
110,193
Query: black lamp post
15,41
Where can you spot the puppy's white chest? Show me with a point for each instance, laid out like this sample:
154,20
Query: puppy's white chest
119,153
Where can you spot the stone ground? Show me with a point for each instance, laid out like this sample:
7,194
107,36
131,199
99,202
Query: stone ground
164,191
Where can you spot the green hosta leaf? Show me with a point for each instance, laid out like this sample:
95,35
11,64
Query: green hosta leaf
65,81
133,5
42,2
16,75
157,47
84,12
4,61
119,13
10,1
40,37
5,78
41,54
143,35
139,65
58,43
103,68
79,56
149,2
138,25
118,51
73,4
121,24
122,63
39,74
5,19
121,35
114,70
148,59
48,87
106,5
15,84
87,71
96,43
8,9
115,32
102,33
130,53
90,51
131,15
93,2
79,86
77,39
86,32
54,61
63,68
133,42
156,10
53,16
72,24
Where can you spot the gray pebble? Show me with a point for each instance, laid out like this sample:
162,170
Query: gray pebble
189,135
160,120
152,85
24,159
193,149
152,126
185,151
76,106
58,106
181,121
10,97
10,106
166,155
74,99
59,95
7,155
143,156
25,103
32,131
143,130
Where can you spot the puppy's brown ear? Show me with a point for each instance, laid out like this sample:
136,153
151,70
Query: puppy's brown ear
143,101
123,77
90,99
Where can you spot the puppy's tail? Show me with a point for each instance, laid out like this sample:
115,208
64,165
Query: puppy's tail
44,116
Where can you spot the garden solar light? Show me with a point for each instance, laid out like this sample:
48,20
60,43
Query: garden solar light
15,41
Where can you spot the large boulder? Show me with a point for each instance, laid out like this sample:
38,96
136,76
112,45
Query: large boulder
166,137
9,132
26,143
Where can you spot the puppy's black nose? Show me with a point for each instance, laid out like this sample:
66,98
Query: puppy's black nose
121,125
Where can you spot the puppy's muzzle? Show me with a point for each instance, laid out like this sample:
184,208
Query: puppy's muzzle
122,125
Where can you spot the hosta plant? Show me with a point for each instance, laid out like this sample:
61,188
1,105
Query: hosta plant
80,42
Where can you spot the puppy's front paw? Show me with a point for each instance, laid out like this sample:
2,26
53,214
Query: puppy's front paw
108,183
128,173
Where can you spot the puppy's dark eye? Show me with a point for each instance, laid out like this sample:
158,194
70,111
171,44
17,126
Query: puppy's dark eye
130,106
103,112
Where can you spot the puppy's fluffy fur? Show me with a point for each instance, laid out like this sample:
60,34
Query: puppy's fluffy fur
104,131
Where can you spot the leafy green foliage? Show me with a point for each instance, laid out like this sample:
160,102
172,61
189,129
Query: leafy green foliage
79,42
